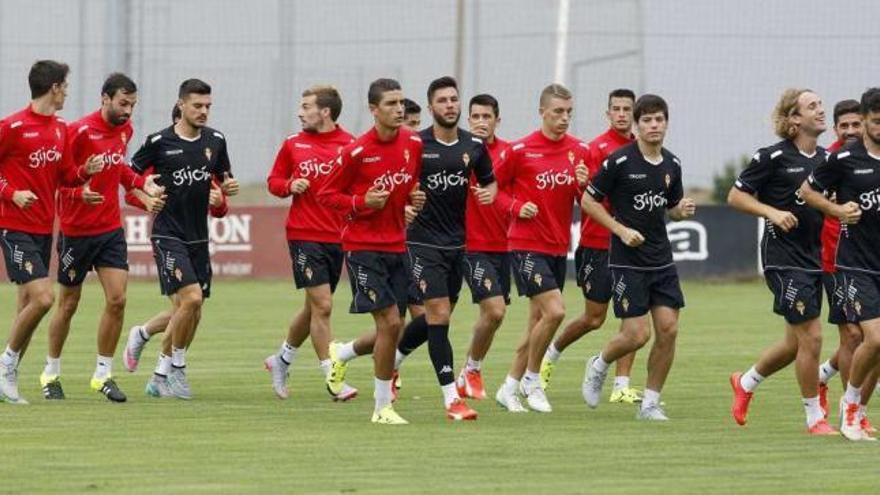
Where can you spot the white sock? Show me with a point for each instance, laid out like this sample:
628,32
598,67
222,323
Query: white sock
473,365
53,366
651,398
287,353
325,365
853,395
511,384
863,411
104,367
552,354
751,379
621,382
346,352
398,359
178,357
382,392
600,364
143,334
9,357
450,394
531,380
826,371
163,367
813,411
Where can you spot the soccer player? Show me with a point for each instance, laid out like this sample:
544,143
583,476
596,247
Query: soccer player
435,240
373,180
770,188
591,257
186,156
853,174
847,128
541,177
486,259
34,161
412,115
91,233
313,231
642,182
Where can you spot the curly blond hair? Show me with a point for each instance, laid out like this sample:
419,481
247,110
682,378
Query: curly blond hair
786,108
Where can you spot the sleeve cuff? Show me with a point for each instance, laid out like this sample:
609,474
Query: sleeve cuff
358,203
743,186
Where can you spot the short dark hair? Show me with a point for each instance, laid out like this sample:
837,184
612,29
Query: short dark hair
485,100
650,104
440,83
45,73
844,107
870,101
118,81
410,107
175,113
621,93
193,86
326,96
380,87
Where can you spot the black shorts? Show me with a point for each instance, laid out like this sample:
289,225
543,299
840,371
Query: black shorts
27,255
78,255
593,274
316,263
488,275
378,280
434,273
635,292
536,273
181,264
862,296
835,291
797,295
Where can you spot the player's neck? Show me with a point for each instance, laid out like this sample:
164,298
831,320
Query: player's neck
326,127
805,143
43,106
626,134
872,146
552,136
183,129
650,151
386,133
445,134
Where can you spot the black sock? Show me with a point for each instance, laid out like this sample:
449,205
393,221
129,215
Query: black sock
440,350
414,335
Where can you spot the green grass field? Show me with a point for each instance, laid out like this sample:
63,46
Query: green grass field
236,437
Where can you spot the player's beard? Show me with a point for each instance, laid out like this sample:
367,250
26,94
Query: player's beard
116,119
874,140
442,122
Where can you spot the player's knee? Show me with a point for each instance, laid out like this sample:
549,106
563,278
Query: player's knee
850,337
44,300
494,314
594,321
667,333
322,307
116,303
191,299
554,314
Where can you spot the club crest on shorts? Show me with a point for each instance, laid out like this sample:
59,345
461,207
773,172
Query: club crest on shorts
668,180
208,153
625,304
538,279
800,307
588,286
858,307
71,274
29,267
571,157
308,272
178,274
487,283
372,295
466,159
423,285
406,155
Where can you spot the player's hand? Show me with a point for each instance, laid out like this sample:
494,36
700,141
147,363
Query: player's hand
230,185
687,207
150,186
410,213
23,199
785,220
849,213
375,198
94,164
582,174
528,210
215,197
154,204
483,195
631,237
417,197
299,186
90,197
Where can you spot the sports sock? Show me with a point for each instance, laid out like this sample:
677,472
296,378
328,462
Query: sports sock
103,367
621,382
178,357
511,384
346,352
450,394
287,353
751,379
473,364
552,354
812,410
9,357
325,365
651,398
53,366
440,350
826,371
143,334
530,381
600,364
382,392
414,335
163,367
853,395
398,359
